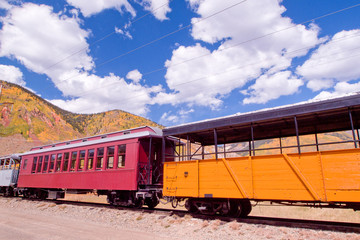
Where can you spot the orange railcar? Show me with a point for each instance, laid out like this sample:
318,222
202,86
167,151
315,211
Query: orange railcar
213,182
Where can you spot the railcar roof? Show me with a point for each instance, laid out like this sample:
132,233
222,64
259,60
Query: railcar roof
155,129
156,132
318,116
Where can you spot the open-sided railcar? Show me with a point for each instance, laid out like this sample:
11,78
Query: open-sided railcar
221,168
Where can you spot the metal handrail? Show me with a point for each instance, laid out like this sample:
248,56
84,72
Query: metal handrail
188,157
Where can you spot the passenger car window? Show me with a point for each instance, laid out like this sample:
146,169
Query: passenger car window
73,160
121,155
58,162
52,162
25,164
90,159
34,165
100,158
81,160
40,164
46,162
66,161
110,157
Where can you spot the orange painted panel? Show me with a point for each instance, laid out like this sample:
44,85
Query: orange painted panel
317,176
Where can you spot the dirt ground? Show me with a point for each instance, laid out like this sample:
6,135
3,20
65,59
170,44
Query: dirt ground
21,219
263,209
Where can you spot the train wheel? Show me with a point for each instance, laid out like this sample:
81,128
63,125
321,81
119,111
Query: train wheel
190,206
152,202
43,195
26,194
239,208
9,192
246,207
234,208
139,203
110,199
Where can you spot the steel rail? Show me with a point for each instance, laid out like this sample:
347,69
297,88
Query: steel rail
345,227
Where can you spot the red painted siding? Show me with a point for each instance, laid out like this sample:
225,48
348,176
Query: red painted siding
82,176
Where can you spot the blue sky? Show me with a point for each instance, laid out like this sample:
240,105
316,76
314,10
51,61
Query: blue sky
182,60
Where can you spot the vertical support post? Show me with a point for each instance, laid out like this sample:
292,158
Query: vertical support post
317,142
250,149
181,155
297,135
224,150
203,152
183,152
163,150
188,148
216,143
189,151
252,139
352,128
149,162
281,147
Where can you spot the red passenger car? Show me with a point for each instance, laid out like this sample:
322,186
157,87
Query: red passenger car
126,166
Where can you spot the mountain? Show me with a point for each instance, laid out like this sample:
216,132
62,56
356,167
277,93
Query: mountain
27,120
32,121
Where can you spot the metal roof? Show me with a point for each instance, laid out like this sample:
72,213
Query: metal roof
322,116
157,130
94,142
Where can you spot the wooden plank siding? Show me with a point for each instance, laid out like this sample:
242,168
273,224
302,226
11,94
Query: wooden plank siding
328,176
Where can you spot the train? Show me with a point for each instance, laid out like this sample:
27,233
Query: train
304,155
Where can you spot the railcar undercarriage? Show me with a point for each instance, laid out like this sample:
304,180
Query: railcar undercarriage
213,206
134,198
149,197
8,191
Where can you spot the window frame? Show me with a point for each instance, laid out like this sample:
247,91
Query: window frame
58,162
110,155
73,161
100,156
90,165
34,164
25,164
66,162
81,159
40,164
45,168
52,162
121,155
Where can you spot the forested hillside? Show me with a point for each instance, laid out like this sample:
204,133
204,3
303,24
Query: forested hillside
27,120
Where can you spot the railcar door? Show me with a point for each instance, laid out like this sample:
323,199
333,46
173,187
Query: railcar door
150,162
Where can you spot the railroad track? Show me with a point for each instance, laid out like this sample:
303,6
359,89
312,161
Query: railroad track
258,220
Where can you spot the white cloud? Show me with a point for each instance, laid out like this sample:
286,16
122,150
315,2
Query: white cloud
44,42
169,119
334,61
237,61
318,84
159,8
134,75
5,5
91,7
95,94
11,74
39,39
271,87
340,89
123,32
